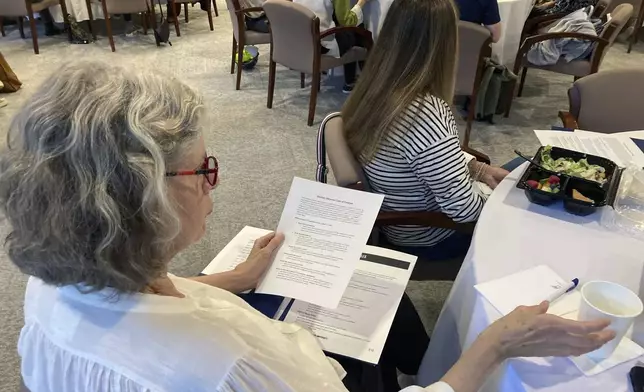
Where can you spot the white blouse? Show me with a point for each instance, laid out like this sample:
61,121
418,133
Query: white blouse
211,340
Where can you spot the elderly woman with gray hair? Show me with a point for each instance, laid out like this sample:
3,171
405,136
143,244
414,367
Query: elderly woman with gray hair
104,178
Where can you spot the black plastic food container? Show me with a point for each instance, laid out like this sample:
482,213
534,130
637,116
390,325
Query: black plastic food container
601,195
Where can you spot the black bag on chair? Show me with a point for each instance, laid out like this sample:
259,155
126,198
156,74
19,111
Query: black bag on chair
162,33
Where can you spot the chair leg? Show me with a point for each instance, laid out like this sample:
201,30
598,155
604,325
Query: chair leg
145,19
523,75
471,111
68,27
91,18
176,21
209,11
2,27
314,97
110,36
510,98
271,84
153,16
185,11
240,61
302,80
34,33
214,4
21,27
232,61
320,83
636,30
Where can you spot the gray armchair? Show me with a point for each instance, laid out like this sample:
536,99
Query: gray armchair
473,47
296,41
580,67
608,102
241,36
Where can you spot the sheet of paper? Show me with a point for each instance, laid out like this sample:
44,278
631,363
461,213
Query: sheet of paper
326,228
358,328
236,251
621,150
529,287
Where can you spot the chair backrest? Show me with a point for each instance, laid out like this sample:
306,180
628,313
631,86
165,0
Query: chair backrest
331,142
473,45
609,101
13,8
126,6
233,6
602,8
619,18
295,33
616,3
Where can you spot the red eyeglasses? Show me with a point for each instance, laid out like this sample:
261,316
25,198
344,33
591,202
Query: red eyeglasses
210,169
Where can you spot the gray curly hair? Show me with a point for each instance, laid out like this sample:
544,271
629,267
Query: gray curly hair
82,177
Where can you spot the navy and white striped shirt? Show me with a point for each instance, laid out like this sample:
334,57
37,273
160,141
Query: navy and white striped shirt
419,166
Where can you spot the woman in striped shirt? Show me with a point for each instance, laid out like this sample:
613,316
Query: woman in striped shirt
400,126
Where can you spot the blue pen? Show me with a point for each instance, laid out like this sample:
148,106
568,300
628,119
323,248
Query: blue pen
563,290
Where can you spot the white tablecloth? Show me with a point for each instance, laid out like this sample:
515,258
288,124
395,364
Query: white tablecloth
513,16
513,235
77,9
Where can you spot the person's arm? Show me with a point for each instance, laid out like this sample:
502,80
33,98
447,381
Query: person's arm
232,281
440,164
492,20
474,366
346,15
495,30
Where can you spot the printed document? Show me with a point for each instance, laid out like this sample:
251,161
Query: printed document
619,149
326,228
359,327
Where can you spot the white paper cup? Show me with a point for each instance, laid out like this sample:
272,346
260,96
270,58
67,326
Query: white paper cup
606,300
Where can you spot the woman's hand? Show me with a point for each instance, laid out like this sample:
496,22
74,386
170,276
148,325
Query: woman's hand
252,270
492,176
529,332
526,332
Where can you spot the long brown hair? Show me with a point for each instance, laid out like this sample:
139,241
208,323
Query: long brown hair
415,54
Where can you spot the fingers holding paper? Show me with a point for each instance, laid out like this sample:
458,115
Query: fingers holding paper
259,259
529,332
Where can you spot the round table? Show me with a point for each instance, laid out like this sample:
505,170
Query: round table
511,236
78,9
514,13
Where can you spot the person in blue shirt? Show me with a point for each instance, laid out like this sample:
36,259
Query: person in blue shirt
485,12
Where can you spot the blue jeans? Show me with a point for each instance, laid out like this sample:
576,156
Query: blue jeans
452,247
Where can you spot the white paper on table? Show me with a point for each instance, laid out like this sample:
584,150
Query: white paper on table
326,228
358,328
619,149
529,287
236,251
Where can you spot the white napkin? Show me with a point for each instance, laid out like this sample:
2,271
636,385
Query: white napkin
568,307
529,287
626,351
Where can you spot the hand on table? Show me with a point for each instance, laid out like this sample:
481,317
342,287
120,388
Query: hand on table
260,258
492,176
529,332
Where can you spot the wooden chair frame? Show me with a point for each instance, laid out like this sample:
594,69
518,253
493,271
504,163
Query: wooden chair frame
32,24
317,59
